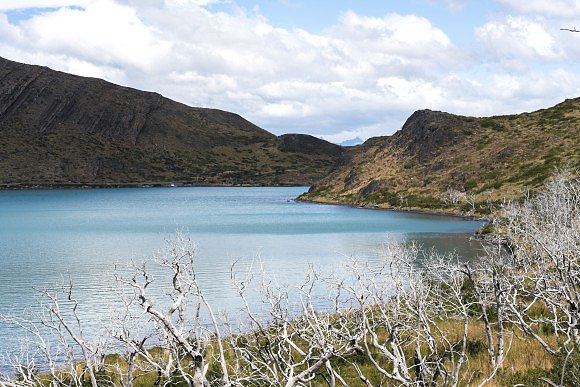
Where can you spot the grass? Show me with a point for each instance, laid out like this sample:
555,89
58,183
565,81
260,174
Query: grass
526,361
493,158
524,357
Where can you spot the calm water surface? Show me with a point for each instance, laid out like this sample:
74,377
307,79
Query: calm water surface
50,235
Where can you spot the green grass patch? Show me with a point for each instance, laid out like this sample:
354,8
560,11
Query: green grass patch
493,124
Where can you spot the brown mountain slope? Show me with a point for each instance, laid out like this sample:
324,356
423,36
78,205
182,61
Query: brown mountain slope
443,162
59,128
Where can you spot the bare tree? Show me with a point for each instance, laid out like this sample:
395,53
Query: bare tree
293,342
489,285
544,237
185,344
406,317
57,336
454,198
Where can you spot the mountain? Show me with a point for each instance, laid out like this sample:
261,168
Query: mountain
449,163
58,128
352,142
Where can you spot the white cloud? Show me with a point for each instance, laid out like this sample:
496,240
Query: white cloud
285,80
104,34
520,37
565,9
361,77
6,5
518,42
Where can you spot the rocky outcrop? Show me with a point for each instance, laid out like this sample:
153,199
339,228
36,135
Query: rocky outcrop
426,132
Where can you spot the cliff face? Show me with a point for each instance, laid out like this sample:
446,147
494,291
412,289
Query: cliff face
60,128
444,162
426,133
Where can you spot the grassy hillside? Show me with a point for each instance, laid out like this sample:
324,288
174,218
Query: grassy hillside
57,128
449,163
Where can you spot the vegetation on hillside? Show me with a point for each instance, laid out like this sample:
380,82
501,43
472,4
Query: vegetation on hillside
61,129
448,163
419,319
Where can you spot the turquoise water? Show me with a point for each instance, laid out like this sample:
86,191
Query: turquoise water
79,235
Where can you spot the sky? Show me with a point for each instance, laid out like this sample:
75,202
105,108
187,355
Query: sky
336,69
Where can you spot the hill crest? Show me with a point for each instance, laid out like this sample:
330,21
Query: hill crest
59,128
449,163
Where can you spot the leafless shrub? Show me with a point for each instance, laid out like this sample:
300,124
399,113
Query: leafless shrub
184,342
544,238
56,339
412,305
293,342
455,198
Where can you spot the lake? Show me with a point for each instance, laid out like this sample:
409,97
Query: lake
47,236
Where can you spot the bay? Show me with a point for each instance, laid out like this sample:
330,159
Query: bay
51,236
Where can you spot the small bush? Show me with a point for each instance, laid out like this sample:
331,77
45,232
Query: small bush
571,372
470,185
492,124
475,347
489,228
424,201
528,378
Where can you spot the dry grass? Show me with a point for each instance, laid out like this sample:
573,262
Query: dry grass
524,355
491,159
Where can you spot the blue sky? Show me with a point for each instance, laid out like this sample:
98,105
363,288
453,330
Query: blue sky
315,16
335,69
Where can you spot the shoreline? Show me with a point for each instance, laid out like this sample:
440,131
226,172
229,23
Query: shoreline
400,210
477,234
32,186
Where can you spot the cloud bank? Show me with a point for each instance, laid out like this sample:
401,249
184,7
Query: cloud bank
361,77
